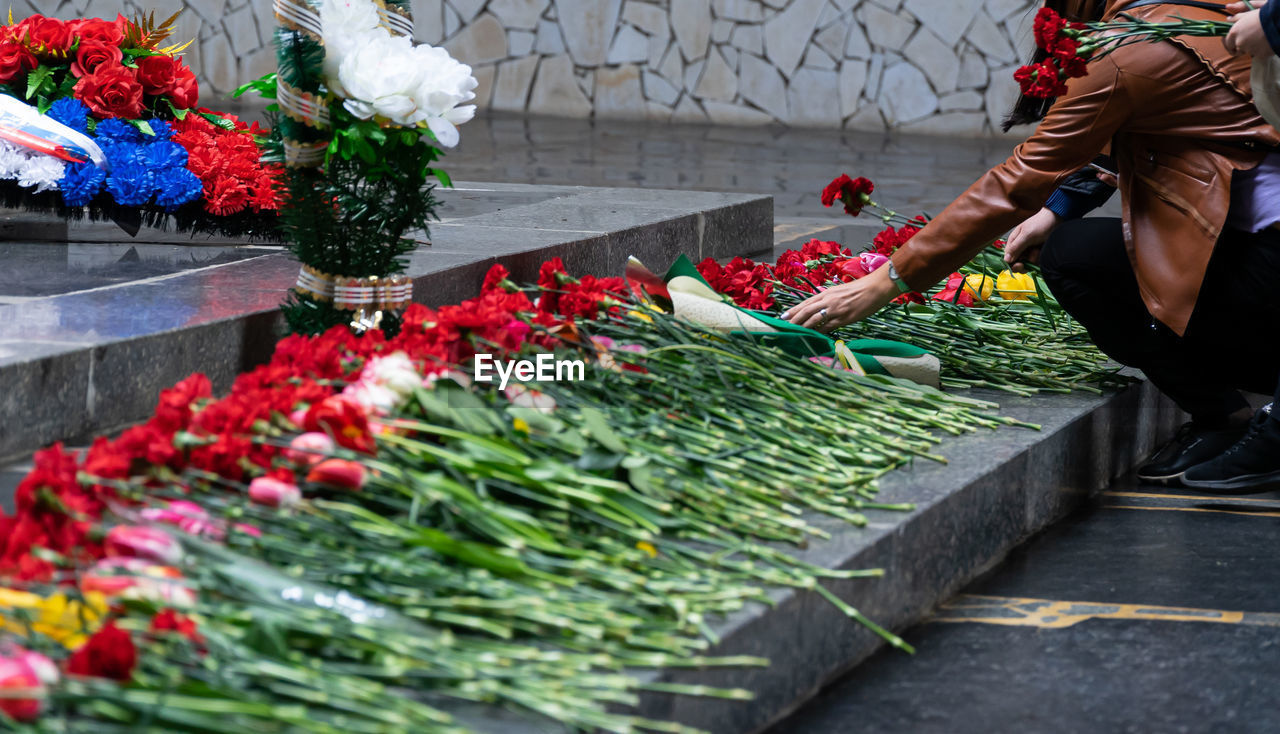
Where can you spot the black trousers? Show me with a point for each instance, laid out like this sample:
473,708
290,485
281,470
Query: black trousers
1231,343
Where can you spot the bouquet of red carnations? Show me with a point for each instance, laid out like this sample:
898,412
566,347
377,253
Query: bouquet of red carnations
1070,46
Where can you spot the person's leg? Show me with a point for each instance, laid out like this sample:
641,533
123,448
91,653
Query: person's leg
1087,269
1236,319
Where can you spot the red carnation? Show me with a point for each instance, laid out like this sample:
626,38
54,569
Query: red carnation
168,620
343,421
498,278
15,59
111,91
1048,27
225,195
91,56
1040,80
109,653
855,193
97,30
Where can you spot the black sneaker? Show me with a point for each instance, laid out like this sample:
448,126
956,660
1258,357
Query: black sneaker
1192,445
1251,465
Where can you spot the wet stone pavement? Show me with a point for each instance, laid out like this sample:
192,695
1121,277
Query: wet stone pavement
1151,610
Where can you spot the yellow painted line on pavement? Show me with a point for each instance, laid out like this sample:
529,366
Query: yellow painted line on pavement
1220,511
1053,614
1190,497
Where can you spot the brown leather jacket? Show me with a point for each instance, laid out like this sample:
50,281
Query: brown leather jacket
1175,114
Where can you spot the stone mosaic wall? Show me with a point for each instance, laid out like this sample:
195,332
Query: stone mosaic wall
927,66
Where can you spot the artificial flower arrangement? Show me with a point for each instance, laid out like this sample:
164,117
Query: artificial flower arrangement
164,157
363,114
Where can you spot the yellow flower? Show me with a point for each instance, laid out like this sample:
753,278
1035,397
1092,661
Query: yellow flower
647,547
68,621
641,316
979,286
520,425
1015,286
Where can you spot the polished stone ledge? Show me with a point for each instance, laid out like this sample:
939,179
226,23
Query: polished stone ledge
80,363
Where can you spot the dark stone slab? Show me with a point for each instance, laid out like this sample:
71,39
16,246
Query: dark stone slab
88,349
1097,676
1208,665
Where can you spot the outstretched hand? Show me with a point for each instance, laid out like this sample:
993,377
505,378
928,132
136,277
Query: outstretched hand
844,304
1023,245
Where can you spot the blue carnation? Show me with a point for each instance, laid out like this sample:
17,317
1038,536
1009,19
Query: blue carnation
117,130
177,186
131,184
72,113
161,128
120,154
80,182
164,155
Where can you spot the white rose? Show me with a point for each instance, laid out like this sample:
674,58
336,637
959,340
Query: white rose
446,84
381,72
343,23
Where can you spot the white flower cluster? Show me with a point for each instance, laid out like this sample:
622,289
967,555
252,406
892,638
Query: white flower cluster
31,169
385,75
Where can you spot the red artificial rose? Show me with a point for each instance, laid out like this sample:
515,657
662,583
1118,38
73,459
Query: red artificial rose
184,93
91,56
97,30
111,91
157,73
45,36
15,59
109,653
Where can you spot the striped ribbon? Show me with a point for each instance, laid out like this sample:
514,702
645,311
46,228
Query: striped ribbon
389,293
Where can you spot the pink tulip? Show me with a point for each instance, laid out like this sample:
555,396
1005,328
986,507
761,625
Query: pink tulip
873,261
273,492
18,677
339,474
134,541
310,448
